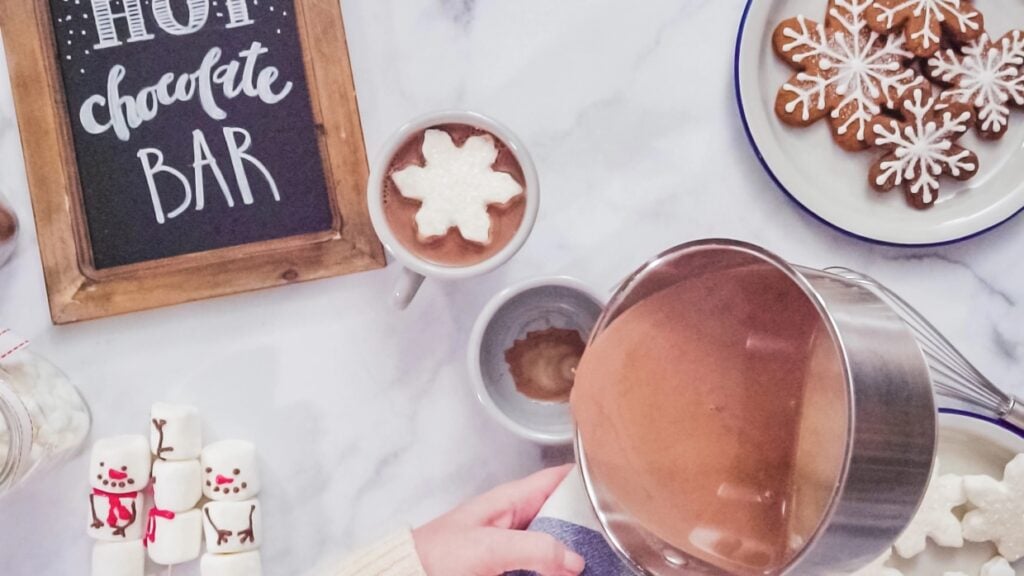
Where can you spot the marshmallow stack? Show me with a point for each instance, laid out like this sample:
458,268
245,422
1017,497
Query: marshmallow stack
232,520
174,531
119,471
196,491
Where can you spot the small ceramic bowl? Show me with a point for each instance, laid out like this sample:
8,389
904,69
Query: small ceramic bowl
531,306
968,444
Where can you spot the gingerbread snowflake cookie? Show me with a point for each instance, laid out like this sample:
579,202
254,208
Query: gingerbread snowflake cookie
988,75
922,147
935,518
925,22
1000,508
844,70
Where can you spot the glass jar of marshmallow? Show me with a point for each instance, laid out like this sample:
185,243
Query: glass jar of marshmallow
43,418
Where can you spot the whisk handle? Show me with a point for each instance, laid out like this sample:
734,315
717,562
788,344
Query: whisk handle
1016,414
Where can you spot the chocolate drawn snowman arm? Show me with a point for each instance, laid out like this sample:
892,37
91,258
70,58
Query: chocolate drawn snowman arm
222,535
96,522
159,425
248,534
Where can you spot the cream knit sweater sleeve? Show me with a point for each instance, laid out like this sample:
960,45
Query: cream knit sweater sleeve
394,556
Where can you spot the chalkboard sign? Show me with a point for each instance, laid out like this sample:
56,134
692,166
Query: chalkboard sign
197,139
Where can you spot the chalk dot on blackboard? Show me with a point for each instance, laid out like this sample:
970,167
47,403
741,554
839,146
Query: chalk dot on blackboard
69,56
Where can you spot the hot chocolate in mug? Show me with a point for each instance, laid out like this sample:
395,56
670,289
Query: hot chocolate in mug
461,148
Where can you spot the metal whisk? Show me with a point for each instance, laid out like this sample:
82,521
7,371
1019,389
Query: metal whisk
952,374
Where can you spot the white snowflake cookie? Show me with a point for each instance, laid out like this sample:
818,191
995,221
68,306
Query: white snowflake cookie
1000,510
923,147
935,518
456,186
998,566
878,567
988,75
926,22
844,70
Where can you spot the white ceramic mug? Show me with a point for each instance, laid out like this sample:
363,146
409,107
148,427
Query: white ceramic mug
416,269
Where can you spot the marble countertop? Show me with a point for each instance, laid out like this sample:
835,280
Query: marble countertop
364,416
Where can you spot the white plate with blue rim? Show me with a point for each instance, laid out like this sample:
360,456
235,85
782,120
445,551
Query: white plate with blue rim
968,444
832,184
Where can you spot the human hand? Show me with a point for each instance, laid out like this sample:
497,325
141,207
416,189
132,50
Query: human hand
485,536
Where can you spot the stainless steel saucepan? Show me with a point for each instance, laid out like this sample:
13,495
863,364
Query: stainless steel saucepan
884,395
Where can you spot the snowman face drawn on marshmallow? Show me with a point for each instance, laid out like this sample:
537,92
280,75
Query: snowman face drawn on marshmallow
229,471
120,465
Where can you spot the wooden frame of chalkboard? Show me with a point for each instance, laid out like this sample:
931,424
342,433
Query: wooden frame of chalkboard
80,290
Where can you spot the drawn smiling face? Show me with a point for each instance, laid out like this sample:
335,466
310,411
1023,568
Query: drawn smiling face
120,465
229,471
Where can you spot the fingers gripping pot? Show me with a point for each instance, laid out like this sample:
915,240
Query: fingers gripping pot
740,415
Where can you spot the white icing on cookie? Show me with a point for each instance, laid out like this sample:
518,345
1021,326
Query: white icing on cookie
998,566
923,147
1000,508
989,75
862,67
929,11
456,186
878,567
935,518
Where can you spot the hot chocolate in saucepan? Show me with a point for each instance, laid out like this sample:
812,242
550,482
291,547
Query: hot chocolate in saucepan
710,412
454,165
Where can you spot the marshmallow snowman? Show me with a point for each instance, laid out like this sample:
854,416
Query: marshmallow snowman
118,472
243,564
174,537
118,559
232,527
176,433
177,486
229,471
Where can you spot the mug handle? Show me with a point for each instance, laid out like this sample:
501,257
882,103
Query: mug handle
406,288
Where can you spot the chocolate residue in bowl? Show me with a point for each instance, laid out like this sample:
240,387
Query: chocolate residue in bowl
543,364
